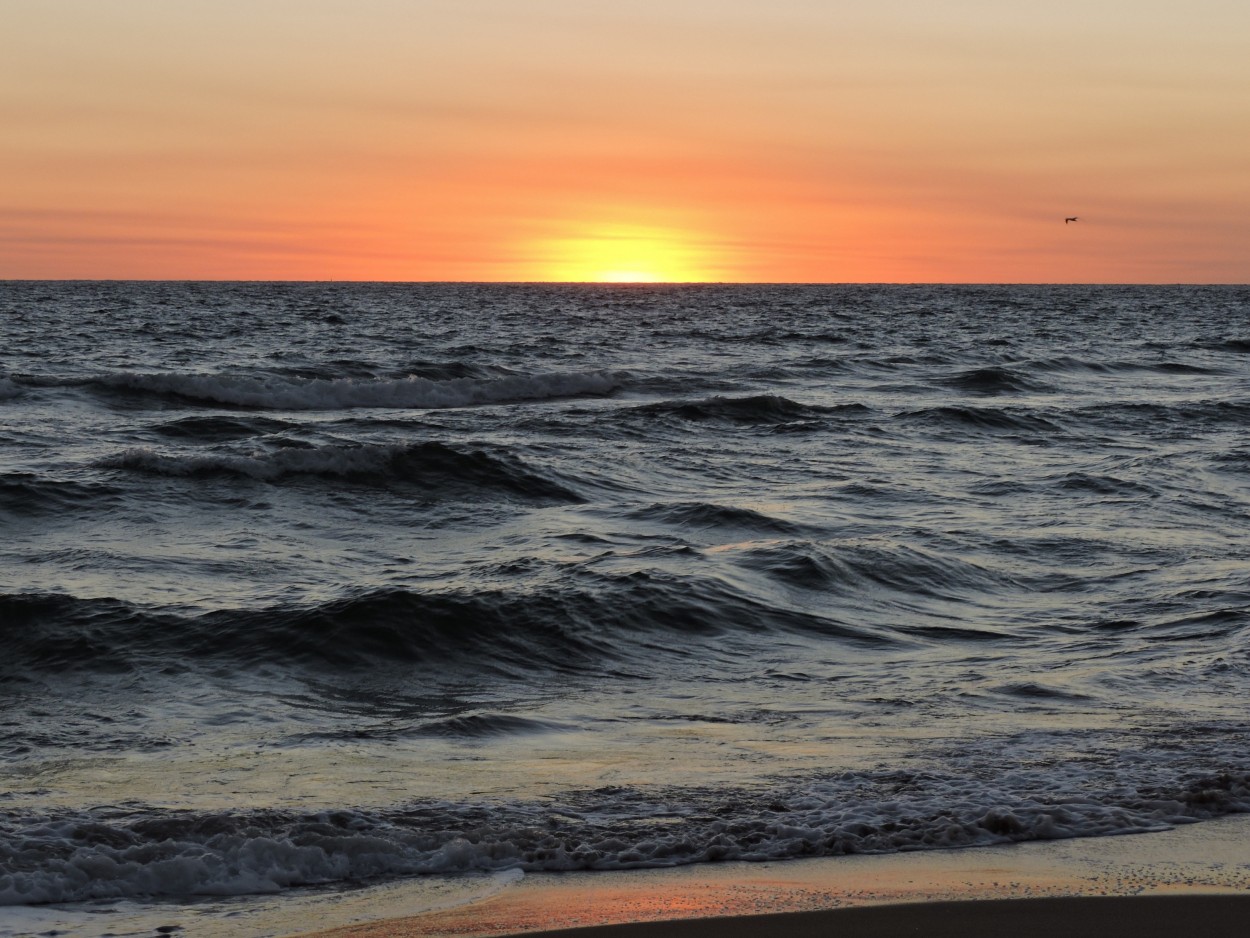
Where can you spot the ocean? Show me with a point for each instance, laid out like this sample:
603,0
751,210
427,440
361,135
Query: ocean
310,587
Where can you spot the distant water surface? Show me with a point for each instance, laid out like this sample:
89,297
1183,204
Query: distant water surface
324,584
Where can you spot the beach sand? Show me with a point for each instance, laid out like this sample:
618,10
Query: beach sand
1191,880
1111,917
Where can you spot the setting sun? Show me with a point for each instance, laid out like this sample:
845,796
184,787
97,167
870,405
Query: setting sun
625,254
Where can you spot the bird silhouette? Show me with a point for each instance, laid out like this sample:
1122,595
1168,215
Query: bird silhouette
1073,218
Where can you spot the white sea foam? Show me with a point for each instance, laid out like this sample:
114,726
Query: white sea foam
78,858
283,393
249,865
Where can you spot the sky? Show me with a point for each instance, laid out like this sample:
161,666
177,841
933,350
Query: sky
723,140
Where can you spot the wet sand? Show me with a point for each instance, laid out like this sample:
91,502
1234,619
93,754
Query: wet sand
1194,879
1105,917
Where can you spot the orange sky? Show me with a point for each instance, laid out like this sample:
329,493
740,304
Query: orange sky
769,140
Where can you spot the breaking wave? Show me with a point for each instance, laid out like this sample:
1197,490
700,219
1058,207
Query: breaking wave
110,853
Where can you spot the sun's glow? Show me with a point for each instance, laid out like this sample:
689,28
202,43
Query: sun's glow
629,276
625,254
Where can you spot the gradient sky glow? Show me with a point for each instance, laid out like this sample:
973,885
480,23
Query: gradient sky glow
740,140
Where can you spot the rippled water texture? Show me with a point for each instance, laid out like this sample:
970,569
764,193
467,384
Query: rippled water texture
319,583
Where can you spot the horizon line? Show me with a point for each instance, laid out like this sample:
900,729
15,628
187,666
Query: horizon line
642,285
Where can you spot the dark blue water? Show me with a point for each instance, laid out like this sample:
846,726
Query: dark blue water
329,583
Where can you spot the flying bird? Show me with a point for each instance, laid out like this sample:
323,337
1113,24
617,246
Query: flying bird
1073,218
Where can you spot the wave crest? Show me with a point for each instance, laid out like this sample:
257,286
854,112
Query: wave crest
701,515
984,418
294,393
25,493
992,380
757,409
595,625
436,468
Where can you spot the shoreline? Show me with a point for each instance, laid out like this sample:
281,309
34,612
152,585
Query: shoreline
928,891
1072,917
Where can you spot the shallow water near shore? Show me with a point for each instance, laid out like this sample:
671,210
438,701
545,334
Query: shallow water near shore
330,585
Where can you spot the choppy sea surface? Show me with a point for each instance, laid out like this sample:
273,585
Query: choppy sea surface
305,587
